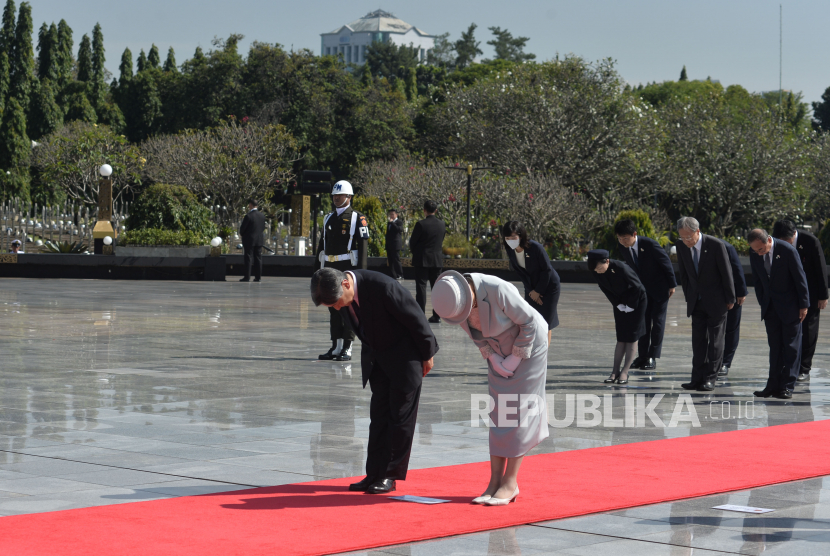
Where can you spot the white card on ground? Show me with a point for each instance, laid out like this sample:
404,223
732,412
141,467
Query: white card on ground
744,509
418,499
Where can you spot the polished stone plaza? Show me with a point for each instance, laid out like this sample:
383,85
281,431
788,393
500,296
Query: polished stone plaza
120,391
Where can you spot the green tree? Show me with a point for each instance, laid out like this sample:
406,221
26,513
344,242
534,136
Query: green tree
154,59
384,59
77,105
85,60
23,60
46,45
45,114
98,88
790,107
411,84
7,33
144,107
4,79
141,63
658,94
64,58
15,149
442,52
467,48
125,67
683,76
170,62
509,47
821,112
170,207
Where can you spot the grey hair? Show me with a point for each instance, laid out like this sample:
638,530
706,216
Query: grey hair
757,235
688,223
327,286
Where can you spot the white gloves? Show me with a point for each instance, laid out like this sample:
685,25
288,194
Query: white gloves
511,362
322,257
624,308
497,361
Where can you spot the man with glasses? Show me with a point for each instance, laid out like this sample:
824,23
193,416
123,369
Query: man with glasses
706,277
781,289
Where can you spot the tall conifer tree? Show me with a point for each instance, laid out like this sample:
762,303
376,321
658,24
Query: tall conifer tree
23,61
4,79
15,149
154,58
170,62
98,83
7,33
63,56
142,61
45,115
85,60
47,50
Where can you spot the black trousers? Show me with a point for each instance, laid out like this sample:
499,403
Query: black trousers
393,258
733,334
809,330
422,276
337,327
392,415
784,341
651,343
707,344
253,258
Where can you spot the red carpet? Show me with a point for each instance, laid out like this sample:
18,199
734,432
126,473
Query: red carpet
322,517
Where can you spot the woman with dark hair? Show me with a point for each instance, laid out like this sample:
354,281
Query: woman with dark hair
627,295
530,261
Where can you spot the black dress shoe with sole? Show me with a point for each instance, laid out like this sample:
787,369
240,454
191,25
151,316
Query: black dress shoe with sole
637,363
362,486
762,393
245,280
328,356
343,357
724,371
434,320
690,386
649,365
803,376
707,386
785,394
382,487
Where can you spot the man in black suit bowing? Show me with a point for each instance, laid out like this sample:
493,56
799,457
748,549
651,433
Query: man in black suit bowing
812,259
653,266
394,242
426,245
781,289
710,292
733,317
398,350
250,230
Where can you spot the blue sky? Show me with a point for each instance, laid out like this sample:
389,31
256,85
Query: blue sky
735,41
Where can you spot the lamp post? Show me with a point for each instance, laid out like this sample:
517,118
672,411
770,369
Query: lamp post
469,169
103,227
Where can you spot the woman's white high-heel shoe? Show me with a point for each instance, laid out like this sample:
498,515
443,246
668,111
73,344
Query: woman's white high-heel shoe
502,501
481,499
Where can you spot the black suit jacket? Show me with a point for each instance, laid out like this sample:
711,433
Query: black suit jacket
251,228
653,268
812,260
714,284
785,289
427,241
394,235
396,336
738,277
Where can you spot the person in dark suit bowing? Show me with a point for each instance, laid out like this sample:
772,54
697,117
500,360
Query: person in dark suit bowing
530,261
394,242
812,259
709,289
628,298
654,269
398,351
733,317
781,289
426,245
250,230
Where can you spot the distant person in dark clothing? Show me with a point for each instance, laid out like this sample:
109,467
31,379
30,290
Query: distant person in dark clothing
251,233
530,261
394,242
654,269
733,317
812,259
426,245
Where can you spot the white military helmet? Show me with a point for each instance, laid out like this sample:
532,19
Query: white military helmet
342,188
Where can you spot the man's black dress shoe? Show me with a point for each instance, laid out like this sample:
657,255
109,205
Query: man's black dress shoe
257,279
707,386
362,486
343,357
762,393
245,280
803,376
649,364
381,487
637,363
690,386
435,320
328,356
785,394
723,371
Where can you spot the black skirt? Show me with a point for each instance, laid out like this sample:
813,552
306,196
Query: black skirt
631,326
547,309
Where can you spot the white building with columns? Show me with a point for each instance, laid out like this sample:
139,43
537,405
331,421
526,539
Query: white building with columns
351,41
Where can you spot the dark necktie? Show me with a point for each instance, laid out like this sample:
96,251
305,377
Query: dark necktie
695,259
634,257
768,262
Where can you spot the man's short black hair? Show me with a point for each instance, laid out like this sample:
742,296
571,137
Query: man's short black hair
253,202
757,235
327,286
430,206
625,228
783,229
392,210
